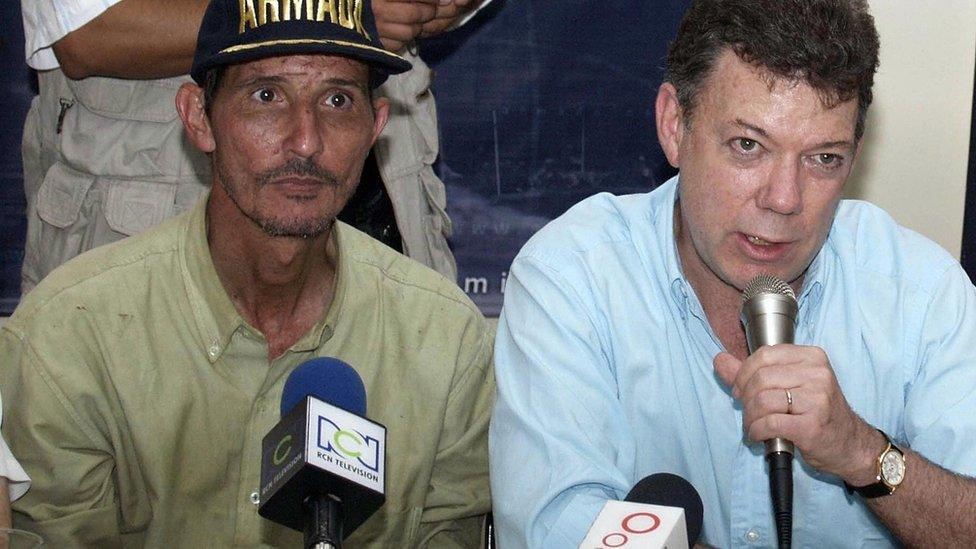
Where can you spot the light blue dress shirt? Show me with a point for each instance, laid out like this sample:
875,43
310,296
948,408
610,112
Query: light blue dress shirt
604,367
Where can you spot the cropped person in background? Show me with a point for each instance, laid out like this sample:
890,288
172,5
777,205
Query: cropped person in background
14,482
104,153
142,376
620,352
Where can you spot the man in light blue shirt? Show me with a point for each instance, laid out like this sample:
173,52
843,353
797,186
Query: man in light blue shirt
620,352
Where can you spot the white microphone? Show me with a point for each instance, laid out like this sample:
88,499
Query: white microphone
663,510
631,525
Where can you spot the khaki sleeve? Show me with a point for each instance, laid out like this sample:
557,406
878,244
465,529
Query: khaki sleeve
60,422
459,495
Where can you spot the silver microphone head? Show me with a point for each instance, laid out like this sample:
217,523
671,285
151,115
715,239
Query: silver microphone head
768,311
766,284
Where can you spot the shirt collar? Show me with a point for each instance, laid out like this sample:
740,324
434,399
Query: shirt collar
661,220
214,313
811,294
216,317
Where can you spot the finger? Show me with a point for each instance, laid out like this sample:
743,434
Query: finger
447,11
409,13
434,28
763,358
774,401
398,35
778,377
727,367
785,426
395,46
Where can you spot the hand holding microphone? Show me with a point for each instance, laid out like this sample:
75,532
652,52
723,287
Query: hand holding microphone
789,393
819,421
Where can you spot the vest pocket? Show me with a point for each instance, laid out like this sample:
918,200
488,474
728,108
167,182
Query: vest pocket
62,194
133,206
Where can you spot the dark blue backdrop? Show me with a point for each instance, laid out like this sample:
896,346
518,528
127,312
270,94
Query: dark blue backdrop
542,104
17,87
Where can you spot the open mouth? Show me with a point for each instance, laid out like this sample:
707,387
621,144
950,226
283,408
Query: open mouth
758,241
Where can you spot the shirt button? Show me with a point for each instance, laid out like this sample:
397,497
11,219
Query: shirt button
255,498
213,351
752,536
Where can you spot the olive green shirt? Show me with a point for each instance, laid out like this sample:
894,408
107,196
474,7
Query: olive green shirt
136,396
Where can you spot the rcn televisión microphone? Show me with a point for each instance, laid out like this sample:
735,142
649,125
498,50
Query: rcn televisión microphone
323,465
769,315
663,510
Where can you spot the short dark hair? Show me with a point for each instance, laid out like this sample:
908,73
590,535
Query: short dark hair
832,45
211,83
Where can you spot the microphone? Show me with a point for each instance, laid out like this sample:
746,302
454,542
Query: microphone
323,465
674,491
661,511
769,314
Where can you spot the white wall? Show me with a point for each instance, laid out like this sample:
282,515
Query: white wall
916,148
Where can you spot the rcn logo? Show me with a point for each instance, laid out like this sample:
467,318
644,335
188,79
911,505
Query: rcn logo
349,444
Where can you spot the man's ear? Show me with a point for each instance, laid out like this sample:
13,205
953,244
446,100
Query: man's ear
381,113
196,123
669,119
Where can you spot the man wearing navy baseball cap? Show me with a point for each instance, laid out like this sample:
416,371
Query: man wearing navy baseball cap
146,372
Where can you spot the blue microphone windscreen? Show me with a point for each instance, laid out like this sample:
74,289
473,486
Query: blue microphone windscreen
673,491
328,379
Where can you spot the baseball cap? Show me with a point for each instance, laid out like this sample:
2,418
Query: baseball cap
236,31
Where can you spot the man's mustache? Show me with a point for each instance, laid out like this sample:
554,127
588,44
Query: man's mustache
302,168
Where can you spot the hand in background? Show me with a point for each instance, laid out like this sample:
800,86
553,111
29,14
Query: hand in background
448,12
399,22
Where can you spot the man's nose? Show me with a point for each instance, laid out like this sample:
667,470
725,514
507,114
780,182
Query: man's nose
782,192
304,138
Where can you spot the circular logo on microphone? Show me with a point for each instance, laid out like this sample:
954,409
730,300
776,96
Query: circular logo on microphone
282,450
634,523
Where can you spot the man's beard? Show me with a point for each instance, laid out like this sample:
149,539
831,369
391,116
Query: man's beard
285,227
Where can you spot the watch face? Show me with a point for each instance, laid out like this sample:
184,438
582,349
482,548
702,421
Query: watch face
893,468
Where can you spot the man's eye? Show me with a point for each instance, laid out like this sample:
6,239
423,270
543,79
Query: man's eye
829,159
265,95
339,100
744,144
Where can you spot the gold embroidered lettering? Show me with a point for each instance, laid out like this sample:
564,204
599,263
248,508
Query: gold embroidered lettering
297,4
359,19
326,6
345,13
248,20
263,16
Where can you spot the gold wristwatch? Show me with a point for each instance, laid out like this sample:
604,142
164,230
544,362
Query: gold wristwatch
890,472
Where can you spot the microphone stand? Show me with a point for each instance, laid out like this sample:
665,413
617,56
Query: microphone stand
323,523
781,490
